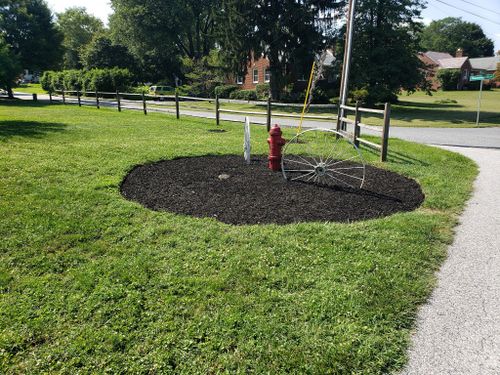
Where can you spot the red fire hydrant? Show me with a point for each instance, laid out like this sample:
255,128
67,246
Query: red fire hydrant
276,142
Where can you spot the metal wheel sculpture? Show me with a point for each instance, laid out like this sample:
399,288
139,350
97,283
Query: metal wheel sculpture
323,157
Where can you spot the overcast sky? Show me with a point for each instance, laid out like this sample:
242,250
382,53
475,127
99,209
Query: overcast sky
436,9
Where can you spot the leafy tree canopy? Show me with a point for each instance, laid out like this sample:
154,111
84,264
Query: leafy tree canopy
9,67
102,53
160,33
78,27
450,34
29,30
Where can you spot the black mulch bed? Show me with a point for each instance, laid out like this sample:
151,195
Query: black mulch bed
255,195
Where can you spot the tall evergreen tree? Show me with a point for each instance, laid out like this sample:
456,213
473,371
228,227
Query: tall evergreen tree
385,47
288,32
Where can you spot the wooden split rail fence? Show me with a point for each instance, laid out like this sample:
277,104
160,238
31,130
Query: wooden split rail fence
341,118
355,136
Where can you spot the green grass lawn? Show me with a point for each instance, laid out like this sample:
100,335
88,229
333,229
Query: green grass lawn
93,283
30,88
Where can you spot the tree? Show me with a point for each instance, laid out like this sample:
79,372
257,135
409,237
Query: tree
102,53
30,32
9,67
385,47
450,34
288,32
160,33
77,27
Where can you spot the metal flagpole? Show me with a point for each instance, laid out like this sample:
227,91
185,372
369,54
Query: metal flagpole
347,56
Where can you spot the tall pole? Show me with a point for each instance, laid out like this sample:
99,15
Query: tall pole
347,56
479,102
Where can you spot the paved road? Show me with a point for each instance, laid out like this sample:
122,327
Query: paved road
459,328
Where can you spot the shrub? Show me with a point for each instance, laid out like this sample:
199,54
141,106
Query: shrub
448,78
244,95
263,91
225,91
360,95
46,81
57,81
72,79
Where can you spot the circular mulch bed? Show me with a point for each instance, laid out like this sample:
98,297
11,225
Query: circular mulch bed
252,194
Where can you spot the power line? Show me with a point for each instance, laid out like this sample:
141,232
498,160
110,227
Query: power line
469,12
479,6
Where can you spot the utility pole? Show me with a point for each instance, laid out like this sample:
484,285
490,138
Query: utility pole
344,85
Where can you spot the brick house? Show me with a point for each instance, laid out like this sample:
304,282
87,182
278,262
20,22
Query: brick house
258,72
435,61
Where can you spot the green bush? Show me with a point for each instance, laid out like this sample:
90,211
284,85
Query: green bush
448,78
46,81
57,81
263,91
244,95
72,80
360,95
225,91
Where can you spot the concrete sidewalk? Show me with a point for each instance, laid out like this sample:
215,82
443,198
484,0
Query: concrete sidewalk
458,330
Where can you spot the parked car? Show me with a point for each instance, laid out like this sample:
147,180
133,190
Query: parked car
161,90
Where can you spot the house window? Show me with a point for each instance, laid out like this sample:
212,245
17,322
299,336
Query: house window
239,80
267,75
256,76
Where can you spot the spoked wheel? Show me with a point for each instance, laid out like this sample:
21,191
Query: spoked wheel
323,157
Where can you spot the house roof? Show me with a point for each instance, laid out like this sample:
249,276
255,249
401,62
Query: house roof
452,63
485,63
436,56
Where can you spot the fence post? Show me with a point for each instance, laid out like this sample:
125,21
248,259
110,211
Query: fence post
79,98
385,132
268,122
177,110
144,104
118,101
64,97
50,97
337,128
97,99
357,129
217,113
35,97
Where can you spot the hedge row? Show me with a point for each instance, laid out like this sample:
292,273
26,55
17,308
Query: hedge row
108,80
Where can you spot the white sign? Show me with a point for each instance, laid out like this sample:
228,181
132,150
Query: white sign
246,143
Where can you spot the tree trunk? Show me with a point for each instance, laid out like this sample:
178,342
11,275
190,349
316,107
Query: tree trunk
10,93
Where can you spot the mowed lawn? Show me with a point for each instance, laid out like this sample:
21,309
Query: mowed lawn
93,283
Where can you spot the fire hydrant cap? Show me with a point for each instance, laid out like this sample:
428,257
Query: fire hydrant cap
275,130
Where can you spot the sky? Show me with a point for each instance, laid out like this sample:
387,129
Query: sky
436,9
